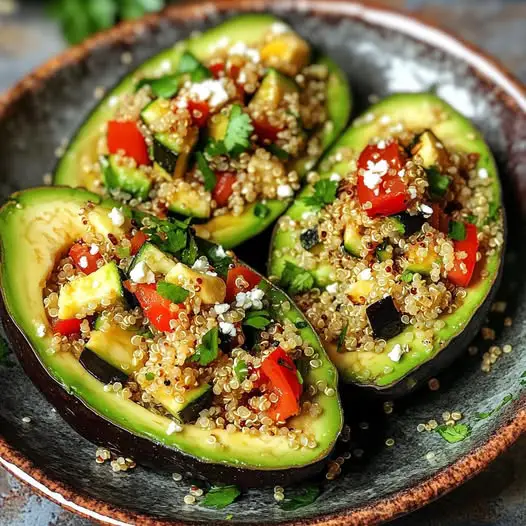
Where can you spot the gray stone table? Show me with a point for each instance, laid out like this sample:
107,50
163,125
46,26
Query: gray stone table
497,497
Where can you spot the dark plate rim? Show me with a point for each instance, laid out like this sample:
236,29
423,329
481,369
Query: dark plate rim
484,66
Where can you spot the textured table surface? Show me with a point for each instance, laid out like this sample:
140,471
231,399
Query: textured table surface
495,497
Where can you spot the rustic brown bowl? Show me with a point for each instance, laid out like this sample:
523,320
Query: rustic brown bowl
382,51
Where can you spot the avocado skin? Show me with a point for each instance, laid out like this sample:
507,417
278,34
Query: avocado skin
98,430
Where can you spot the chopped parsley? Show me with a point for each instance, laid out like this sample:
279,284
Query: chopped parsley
457,230
208,175
301,324
306,495
438,183
258,319
190,65
190,253
220,496
261,210
241,370
165,87
506,400
149,376
324,194
296,279
455,433
208,350
341,339
215,147
238,132
407,276
214,254
169,235
171,292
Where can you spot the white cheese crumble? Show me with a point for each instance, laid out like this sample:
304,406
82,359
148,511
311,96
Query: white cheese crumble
142,273
285,190
221,43
374,173
94,249
116,216
41,330
210,90
242,50
242,77
395,353
201,265
220,252
173,427
335,177
365,274
308,215
385,119
221,308
113,101
426,210
279,27
412,192
227,328
182,103
332,288
483,173
249,299
83,262
381,145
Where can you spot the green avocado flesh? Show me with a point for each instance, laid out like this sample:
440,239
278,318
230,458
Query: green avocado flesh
37,227
417,112
229,230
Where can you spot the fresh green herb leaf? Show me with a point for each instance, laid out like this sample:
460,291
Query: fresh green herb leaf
208,175
258,319
238,132
523,375
261,210
493,209
208,350
341,339
471,219
301,324
165,87
324,194
455,433
168,235
300,378
278,152
307,495
215,254
220,497
296,279
171,292
190,65
229,517
506,400
241,370
438,183
214,147
149,376
136,8
191,252
457,230
407,276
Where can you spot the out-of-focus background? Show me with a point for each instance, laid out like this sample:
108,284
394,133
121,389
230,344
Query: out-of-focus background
33,31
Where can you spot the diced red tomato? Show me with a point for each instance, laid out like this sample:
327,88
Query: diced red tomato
199,110
137,241
159,311
282,375
217,68
67,327
470,246
390,196
126,136
223,188
265,131
83,259
232,285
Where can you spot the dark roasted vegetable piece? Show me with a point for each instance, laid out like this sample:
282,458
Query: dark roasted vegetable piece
309,238
100,369
165,157
384,318
411,224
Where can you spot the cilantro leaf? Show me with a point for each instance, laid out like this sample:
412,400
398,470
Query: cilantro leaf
220,261
324,194
241,370
261,210
506,400
208,350
407,276
215,147
190,253
238,132
438,183
258,319
457,230
341,338
172,241
455,433
171,292
306,496
296,279
220,497
208,175
165,87
189,64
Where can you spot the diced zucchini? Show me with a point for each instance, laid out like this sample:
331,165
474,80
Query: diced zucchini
189,202
359,290
432,152
212,289
103,284
384,252
157,260
118,177
100,369
195,400
274,87
352,240
417,263
288,53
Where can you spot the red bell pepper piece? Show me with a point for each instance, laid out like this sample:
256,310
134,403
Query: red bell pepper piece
67,327
216,69
137,241
83,259
223,188
265,131
282,375
199,111
390,195
232,285
469,245
126,136
159,311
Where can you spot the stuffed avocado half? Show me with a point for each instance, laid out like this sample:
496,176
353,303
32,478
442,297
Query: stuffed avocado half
394,250
220,128
170,349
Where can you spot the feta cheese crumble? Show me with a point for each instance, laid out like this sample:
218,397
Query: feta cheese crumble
83,262
250,299
365,274
94,249
210,90
483,173
221,308
332,288
279,28
285,190
116,216
201,265
41,330
395,353
426,210
220,252
227,328
173,427
374,173
335,177
142,273
242,50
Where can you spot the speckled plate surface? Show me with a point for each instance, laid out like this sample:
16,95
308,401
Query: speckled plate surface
382,51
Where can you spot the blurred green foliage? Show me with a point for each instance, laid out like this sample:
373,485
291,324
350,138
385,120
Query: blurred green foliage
81,18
